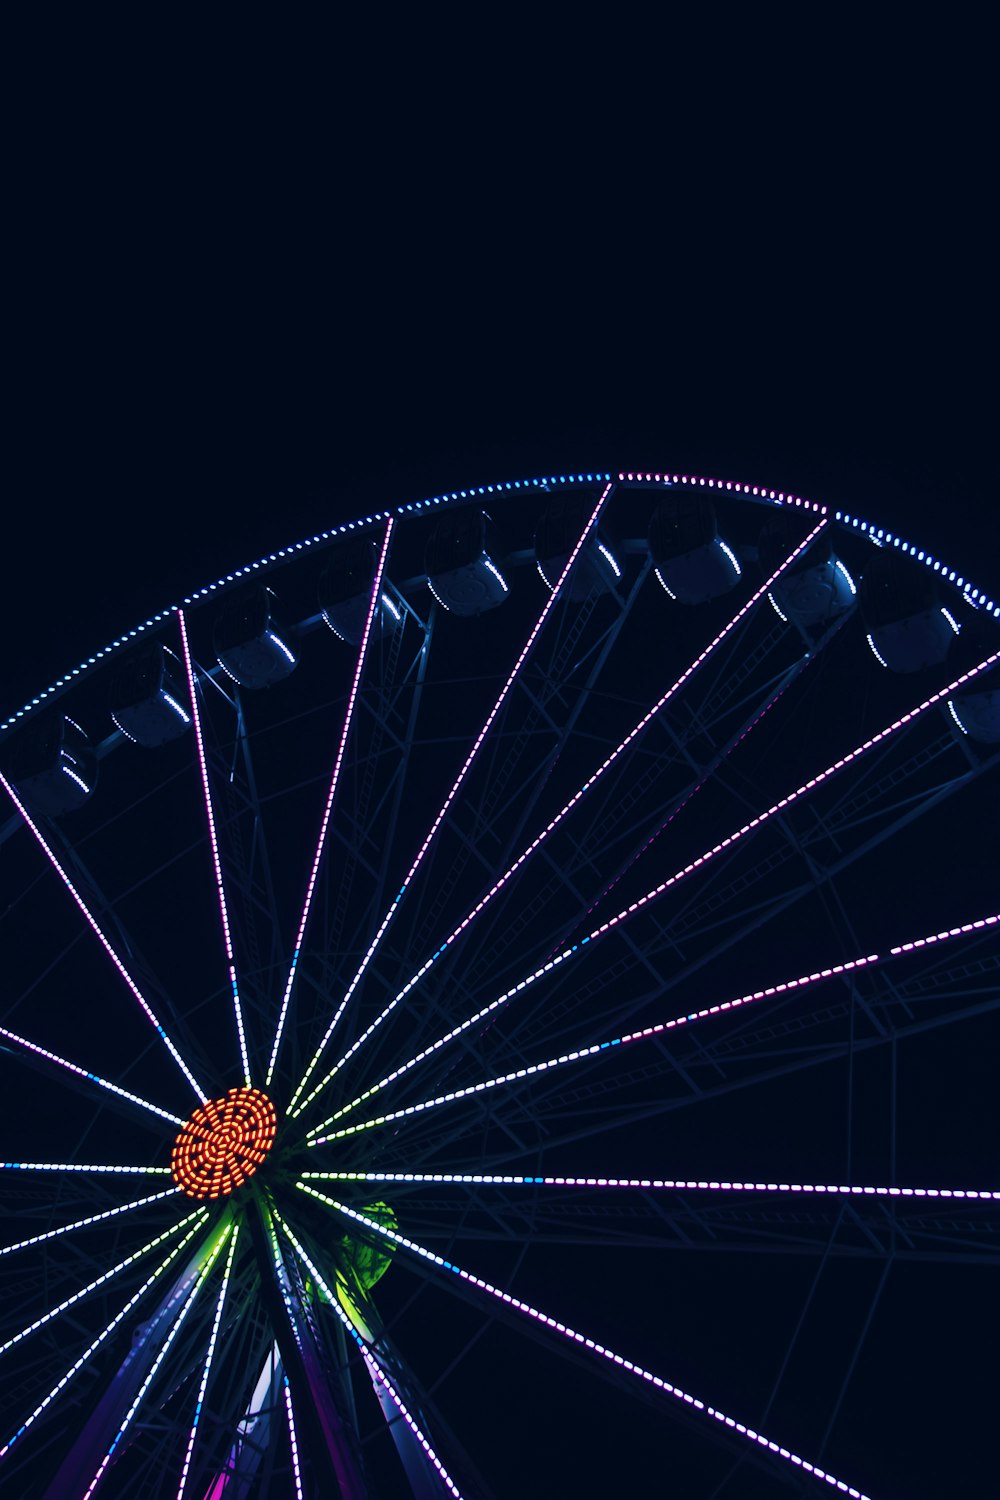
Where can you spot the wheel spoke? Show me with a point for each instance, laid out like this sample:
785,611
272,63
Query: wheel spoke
591,1345
373,605
104,1083
293,1440
101,1280
652,1184
70,1166
201,1221
207,1367
108,1213
659,1028
573,802
161,1356
214,844
378,1376
694,865
295,1106
95,927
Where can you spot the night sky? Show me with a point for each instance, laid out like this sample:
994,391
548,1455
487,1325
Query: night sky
209,364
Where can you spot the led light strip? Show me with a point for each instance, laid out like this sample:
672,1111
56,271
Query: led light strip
579,1054
92,922
109,1213
590,1344
105,1333
702,860
69,1166
373,605
209,1355
175,1329
101,1280
373,1365
667,1184
293,1440
480,1015
12,1036
491,716
494,890
216,862
975,596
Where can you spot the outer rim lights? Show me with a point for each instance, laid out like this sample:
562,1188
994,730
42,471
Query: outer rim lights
223,1143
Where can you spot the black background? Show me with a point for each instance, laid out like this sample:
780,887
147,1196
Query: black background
265,284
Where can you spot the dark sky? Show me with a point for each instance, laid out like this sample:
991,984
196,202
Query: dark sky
217,351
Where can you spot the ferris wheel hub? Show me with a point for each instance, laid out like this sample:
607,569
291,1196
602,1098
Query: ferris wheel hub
223,1143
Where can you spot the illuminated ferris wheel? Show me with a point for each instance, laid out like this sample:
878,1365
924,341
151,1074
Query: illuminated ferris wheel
499,995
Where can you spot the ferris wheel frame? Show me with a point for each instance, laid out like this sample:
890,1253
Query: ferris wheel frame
499,819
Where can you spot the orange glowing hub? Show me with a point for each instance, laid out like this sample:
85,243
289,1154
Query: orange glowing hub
223,1143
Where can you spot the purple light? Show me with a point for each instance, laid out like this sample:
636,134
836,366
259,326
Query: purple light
105,1333
104,1083
494,890
581,1053
525,650
321,842
216,863
92,922
583,1342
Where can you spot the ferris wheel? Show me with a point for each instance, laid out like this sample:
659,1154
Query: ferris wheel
500,997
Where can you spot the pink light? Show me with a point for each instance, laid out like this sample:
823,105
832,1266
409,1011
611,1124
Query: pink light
321,842
491,716
104,1083
216,863
95,928
783,987
591,1345
536,843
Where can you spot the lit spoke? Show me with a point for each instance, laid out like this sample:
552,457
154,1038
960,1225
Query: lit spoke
109,1213
581,1054
550,827
293,1440
71,1166
209,1355
101,1280
213,840
665,1184
103,1083
93,923
579,1339
696,864
175,1329
373,605
104,1334
378,1375
477,743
